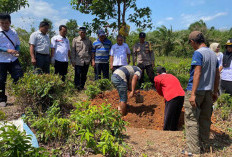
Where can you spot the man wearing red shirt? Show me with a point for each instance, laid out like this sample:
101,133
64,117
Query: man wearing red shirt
169,87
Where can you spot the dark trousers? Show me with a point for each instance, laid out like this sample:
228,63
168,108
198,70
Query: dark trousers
150,73
14,68
61,68
42,64
172,113
226,87
116,67
80,75
101,68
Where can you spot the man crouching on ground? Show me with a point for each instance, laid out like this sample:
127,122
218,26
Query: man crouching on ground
125,78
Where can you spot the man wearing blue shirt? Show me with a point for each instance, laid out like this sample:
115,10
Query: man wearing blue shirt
9,52
100,58
201,92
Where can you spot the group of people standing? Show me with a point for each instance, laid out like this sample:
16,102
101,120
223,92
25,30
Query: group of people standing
82,53
202,88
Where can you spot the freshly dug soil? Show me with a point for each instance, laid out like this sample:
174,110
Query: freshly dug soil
148,115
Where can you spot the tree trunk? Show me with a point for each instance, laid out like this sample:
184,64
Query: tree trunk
119,15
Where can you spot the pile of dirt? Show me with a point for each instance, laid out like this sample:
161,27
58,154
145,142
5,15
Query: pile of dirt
149,114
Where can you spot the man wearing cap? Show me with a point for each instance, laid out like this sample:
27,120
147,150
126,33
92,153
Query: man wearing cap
226,69
80,57
170,88
202,90
144,56
39,49
9,52
60,52
100,58
125,78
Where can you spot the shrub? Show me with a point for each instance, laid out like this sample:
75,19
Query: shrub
38,90
99,128
92,91
225,106
50,126
17,144
146,86
104,84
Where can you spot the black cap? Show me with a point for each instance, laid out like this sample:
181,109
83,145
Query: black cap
83,29
142,35
160,70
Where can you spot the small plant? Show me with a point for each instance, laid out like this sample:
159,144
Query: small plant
92,91
147,86
99,128
49,126
2,115
17,144
104,84
225,106
38,90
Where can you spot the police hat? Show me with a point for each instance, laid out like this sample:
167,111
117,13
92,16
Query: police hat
142,35
83,29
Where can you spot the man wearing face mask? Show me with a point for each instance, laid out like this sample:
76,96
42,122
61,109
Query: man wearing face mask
60,52
80,57
100,58
39,49
9,52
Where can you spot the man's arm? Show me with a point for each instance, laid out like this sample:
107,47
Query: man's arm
158,86
216,84
134,55
32,53
196,80
73,52
111,62
133,85
128,58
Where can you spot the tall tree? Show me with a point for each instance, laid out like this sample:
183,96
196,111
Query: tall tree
115,11
10,6
51,32
198,26
72,29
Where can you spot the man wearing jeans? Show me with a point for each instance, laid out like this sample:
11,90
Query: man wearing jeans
9,50
81,56
201,92
39,49
125,78
100,59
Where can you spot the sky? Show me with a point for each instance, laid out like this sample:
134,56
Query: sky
178,14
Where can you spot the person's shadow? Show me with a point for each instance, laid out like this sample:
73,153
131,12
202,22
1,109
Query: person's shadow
141,110
219,142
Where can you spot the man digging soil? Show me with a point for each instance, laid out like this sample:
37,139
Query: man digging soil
125,78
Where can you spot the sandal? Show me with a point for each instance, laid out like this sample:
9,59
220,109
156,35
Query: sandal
186,153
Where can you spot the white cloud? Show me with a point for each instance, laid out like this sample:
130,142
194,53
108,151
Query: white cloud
194,3
169,18
37,10
188,19
209,18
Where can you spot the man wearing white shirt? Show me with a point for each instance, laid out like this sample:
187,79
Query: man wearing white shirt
40,49
119,54
9,50
60,51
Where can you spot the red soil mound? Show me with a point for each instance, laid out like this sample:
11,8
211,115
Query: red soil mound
149,114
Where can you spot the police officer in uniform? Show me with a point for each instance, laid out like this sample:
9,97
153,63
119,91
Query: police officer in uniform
144,56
